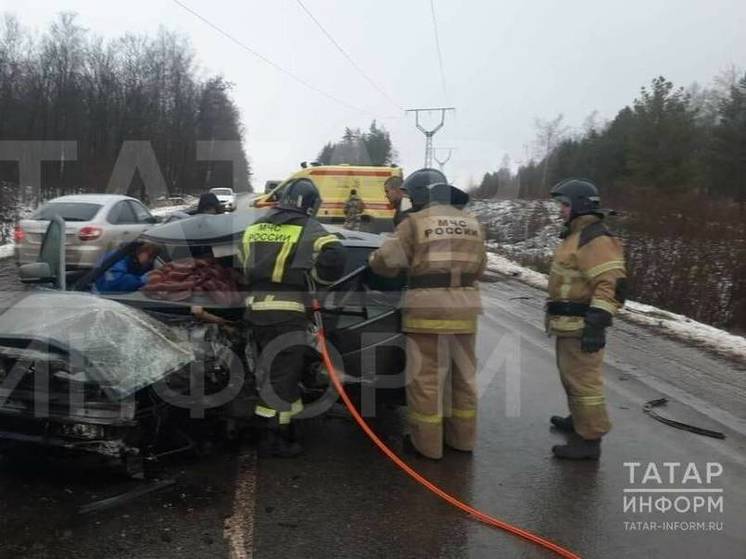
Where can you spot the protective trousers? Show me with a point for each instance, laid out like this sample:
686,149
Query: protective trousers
441,392
581,375
282,349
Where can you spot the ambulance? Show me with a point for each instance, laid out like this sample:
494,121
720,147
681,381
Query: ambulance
335,182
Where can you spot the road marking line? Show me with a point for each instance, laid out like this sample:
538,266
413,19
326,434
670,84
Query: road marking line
239,527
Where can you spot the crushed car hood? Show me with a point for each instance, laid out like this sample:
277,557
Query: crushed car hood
120,348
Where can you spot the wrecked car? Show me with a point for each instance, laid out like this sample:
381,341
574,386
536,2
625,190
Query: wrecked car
140,375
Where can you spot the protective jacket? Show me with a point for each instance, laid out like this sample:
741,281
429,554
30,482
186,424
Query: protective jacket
588,271
277,253
442,249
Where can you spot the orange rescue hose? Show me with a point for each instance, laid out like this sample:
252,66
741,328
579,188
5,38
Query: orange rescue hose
487,519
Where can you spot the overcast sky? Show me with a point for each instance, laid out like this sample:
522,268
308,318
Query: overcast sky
505,63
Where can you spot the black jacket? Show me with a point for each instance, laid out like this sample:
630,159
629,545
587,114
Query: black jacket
278,253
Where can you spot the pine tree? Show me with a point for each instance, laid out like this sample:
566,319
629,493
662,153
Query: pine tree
662,146
373,147
728,151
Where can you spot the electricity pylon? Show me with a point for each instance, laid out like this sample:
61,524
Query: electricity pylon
442,163
429,133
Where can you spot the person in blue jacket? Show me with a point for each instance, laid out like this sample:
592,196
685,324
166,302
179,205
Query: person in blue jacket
129,273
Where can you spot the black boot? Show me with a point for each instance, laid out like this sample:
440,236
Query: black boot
563,424
277,442
409,448
578,448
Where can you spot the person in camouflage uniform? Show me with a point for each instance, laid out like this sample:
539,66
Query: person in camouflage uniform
354,208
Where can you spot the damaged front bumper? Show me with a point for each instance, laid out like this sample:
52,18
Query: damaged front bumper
114,448
98,429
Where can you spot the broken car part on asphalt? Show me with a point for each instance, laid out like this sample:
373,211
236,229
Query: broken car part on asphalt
648,409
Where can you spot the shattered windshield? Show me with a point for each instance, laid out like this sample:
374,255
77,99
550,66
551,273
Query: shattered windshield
127,350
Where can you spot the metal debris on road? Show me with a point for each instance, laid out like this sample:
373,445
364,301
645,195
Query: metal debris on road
648,409
124,498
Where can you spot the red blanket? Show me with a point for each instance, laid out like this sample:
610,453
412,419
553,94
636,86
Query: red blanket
181,279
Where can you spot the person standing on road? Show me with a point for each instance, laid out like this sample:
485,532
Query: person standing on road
279,252
354,208
587,286
443,251
395,195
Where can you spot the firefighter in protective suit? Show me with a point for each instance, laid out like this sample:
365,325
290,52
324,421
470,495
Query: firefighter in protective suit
278,254
442,249
587,286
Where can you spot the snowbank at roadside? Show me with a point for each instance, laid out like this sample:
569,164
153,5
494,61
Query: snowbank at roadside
6,251
673,324
166,210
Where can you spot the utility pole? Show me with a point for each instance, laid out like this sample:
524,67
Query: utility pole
429,133
442,163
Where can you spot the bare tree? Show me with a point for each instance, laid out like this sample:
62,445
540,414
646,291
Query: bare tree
549,133
69,83
591,124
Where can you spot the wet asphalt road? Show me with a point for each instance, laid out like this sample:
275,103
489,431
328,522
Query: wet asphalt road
343,499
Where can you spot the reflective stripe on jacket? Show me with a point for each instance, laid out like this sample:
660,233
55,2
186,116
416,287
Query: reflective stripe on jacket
436,242
276,254
586,270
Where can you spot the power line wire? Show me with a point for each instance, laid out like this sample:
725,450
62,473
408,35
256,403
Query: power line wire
437,47
269,62
347,56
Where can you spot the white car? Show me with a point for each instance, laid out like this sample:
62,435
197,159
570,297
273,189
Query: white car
226,197
94,224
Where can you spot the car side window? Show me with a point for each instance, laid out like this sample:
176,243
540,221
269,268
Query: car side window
142,215
114,213
122,214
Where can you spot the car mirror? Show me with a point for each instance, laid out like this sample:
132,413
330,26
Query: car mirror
153,219
52,252
36,272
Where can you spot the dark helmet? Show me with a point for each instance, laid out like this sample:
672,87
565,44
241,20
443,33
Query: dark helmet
428,186
302,196
208,201
417,186
444,193
580,194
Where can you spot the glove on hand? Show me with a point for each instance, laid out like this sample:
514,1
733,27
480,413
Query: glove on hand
593,338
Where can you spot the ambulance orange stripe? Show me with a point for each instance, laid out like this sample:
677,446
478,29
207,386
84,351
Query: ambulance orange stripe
349,173
370,205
